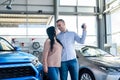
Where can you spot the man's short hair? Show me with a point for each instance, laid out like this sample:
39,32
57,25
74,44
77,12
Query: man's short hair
60,20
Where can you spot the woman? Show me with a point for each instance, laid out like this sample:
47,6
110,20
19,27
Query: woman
52,54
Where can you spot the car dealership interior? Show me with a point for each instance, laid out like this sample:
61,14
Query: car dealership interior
23,25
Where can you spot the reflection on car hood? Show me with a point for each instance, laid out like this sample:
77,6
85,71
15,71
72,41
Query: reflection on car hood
12,57
106,61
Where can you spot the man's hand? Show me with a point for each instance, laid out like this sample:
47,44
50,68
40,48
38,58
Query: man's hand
84,26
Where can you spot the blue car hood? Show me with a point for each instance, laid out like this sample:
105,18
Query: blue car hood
15,56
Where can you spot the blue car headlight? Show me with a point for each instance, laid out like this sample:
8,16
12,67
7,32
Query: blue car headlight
36,62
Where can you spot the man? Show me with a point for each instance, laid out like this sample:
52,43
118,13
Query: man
69,60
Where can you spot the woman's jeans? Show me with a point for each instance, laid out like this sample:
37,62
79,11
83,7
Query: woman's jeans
72,67
53,73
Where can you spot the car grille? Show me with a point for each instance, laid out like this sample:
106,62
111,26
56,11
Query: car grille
14,72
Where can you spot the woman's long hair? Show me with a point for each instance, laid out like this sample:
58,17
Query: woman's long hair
52,35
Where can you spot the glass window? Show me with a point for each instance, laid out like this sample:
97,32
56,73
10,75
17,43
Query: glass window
24,25
91,40
115,24
80,2
87,2
35,29
68,2
94,52
90,21
13,31
108,1
4,45
70,22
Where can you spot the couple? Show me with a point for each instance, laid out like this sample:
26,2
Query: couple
59,53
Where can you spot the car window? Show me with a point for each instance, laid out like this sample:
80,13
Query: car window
5,46
94,52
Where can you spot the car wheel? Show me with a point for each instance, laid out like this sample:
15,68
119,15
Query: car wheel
86,75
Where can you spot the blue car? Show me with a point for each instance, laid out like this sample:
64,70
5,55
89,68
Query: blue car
17,65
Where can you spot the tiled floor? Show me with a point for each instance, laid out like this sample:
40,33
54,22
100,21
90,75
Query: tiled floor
68,77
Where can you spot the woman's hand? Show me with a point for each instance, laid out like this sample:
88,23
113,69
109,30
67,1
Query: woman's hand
46,69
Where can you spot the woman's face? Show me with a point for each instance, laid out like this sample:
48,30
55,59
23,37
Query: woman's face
57,30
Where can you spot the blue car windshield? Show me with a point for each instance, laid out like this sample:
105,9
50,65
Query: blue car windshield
94,52
5,45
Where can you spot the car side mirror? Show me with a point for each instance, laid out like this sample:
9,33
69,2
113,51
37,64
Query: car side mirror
17,48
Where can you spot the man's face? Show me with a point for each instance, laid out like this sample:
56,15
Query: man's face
61,26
